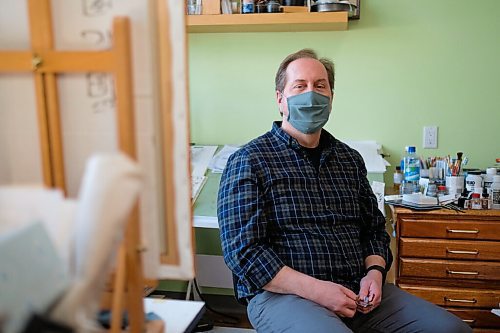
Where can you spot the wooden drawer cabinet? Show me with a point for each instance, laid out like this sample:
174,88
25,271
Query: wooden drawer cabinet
449,249
451,229
453,260
478,318
449,269
456,297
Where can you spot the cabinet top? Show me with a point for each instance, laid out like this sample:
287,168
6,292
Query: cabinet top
488,214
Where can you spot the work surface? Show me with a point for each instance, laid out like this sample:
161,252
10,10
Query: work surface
178,316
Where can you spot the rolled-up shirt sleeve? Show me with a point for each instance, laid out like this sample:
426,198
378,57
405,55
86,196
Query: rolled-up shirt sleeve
243,226
374,237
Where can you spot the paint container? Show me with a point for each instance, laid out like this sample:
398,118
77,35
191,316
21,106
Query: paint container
247,6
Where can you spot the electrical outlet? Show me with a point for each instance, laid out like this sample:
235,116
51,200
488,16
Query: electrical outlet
430,137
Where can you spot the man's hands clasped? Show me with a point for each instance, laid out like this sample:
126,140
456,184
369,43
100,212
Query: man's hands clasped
344,302
336,298
370,292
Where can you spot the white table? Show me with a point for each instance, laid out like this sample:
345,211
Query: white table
178,316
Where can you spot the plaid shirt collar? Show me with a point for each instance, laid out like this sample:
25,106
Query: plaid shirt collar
326,140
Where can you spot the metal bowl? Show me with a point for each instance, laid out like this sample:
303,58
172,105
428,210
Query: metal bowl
292,2
332,6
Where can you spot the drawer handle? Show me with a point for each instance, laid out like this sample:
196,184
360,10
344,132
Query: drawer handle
462,272
457,300
475,252
459,231
469,321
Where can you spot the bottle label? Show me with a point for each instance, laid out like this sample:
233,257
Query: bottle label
495,198
412,173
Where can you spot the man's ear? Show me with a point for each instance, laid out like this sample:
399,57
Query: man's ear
279,99
279,96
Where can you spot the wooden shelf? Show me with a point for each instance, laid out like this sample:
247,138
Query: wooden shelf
269,22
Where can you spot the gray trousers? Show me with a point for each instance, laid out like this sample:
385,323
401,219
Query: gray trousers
399,312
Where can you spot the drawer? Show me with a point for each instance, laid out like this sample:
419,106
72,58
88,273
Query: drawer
449,249
450,229
456,297
477,317
449,269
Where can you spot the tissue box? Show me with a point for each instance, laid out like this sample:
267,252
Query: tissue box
210,7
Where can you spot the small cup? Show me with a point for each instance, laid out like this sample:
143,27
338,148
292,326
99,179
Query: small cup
455,184
234,7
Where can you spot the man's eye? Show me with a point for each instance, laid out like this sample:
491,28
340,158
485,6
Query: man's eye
298,86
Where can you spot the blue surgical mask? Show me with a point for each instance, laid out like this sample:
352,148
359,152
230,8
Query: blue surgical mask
308,112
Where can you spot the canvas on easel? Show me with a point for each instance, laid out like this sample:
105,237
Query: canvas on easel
84,103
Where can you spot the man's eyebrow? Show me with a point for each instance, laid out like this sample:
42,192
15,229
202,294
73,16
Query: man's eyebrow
304,80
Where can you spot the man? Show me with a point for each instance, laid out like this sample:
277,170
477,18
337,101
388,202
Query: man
300,227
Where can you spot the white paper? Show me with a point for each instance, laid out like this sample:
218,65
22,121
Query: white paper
177,315
200,159
420,199
371,153
219,161
197,183
378,189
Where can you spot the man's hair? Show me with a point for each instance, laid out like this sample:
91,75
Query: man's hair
280,79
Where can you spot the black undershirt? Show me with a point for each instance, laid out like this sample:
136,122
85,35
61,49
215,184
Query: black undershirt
314,155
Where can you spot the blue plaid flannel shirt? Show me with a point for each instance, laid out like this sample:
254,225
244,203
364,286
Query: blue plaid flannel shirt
275,209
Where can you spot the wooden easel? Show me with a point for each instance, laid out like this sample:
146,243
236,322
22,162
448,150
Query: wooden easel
45,63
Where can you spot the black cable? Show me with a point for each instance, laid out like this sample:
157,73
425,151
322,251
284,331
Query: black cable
234,320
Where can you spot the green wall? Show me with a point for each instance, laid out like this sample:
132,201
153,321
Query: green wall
404,65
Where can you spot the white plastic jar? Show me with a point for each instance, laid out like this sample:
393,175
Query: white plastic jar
488,179
495,192
474,183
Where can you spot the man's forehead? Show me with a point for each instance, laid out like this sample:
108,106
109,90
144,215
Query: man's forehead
305,68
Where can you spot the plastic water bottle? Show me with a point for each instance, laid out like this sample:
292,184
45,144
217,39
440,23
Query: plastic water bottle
411,165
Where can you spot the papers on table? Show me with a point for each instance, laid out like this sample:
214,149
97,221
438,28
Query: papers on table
371,152
219,161
420,199
200,158
197,183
